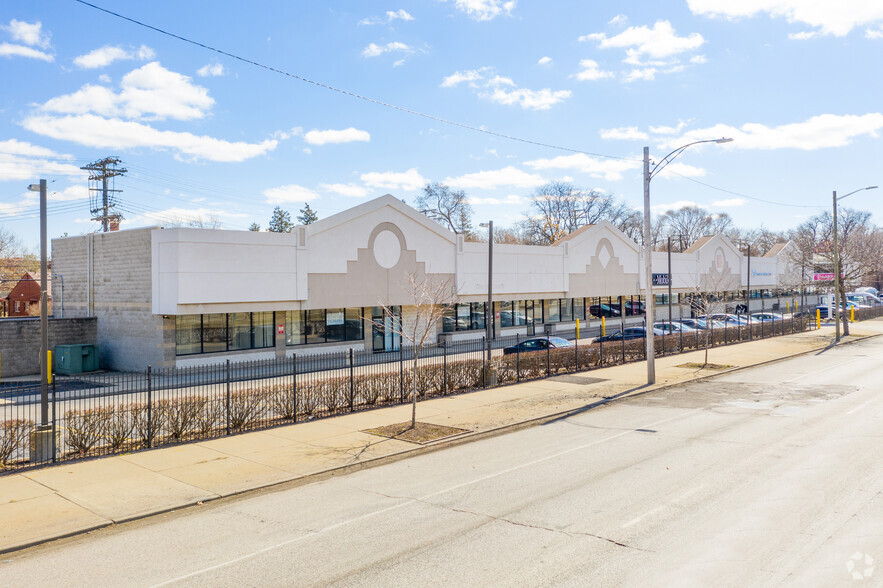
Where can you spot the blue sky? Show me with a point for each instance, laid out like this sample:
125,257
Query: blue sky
796,83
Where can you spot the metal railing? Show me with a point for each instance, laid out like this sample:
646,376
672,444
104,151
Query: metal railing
105,413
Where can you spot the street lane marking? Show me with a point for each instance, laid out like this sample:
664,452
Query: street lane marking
413,501
861,406
640,518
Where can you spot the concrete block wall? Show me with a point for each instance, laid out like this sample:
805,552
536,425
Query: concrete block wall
108,276
20,341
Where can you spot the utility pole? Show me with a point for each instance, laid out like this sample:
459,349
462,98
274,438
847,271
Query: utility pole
102,171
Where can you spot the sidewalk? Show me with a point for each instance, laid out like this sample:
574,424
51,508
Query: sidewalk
52,502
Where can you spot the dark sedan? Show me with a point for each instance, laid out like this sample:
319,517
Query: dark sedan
538,344
628,334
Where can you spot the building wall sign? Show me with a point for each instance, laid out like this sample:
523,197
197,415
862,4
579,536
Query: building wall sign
660,279
824,277
759,274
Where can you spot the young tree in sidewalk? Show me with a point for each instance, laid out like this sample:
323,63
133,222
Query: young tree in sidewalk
429,295
711,291
280,222
307,215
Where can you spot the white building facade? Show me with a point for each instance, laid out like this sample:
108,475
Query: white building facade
181,296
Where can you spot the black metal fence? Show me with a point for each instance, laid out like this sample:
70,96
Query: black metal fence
106,413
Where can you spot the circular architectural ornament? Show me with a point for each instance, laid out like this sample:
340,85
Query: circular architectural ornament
387,249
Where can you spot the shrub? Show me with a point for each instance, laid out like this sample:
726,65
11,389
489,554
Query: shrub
210,415
14,438
180,415
120,427
281,399
140,413
245,408
85,428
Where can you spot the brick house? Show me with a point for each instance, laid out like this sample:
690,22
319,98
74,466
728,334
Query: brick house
24,298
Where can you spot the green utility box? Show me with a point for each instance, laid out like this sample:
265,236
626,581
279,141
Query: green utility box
75,359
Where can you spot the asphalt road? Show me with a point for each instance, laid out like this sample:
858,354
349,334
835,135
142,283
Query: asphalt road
767,476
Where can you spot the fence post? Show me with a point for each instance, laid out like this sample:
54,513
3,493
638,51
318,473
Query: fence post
548,357
294,387
401,375
228,396
149,406
445,369
352,395
54,427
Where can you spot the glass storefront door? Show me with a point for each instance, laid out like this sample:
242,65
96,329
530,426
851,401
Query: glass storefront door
384,329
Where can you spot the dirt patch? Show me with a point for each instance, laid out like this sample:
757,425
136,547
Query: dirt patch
421,433
705,366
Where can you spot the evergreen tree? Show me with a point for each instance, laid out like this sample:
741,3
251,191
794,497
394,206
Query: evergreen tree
307,215
254,227
280,222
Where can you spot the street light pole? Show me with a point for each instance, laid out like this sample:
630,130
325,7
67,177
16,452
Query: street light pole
44,311
840,297
650,343
489,310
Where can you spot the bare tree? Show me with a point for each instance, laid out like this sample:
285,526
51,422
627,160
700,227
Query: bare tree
859,245
690,223
447,207
710,295
429,294
212,222
559,208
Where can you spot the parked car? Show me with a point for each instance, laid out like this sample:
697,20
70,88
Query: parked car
538,344
766,317
823,309
869,290
864,298
634,307
670,327
701,324
627,334
604,310
729,320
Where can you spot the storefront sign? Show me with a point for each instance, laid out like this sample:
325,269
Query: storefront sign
823,277
334,317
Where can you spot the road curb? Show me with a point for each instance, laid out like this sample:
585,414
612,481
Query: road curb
446,443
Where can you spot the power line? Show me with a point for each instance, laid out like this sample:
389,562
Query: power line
347,92
745,195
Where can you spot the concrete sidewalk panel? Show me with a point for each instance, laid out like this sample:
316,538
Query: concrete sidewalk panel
116,489
167,458
17,488
228,475
43,518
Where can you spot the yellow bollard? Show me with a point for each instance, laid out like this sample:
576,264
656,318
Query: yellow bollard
48,366
577,329
603,327
852,314
818,318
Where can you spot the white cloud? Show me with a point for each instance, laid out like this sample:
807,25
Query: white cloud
591,71
150,92
493,179
317,137
101,57
181,216
609,169
213,69
663,130
408,180
10,50
104,56
94,131
28,33
391,15
830,18
509,199
818,132
646,74
472,75
803,35
545,61
659,42
503,90
104,78
624,133
20,160
485,9
729,203
374,50
289,193
351,190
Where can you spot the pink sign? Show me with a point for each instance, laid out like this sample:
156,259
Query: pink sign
823,277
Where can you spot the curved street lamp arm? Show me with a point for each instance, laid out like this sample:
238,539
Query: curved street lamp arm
854,191
674,154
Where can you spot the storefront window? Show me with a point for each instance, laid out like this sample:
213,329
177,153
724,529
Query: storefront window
239,324
566,309
188,334
214,333
554,310
294,327
262,326
315,326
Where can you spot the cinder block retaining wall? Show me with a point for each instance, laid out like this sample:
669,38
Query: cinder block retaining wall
20,341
